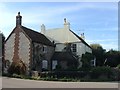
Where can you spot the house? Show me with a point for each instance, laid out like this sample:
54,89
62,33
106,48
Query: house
46,50
32,48
64,37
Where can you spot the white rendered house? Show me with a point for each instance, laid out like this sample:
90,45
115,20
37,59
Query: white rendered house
61,36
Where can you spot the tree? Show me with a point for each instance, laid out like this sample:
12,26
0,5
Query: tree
99,53
86,60
113,57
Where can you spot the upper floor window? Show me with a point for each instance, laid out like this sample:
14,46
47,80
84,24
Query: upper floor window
45,49
74,47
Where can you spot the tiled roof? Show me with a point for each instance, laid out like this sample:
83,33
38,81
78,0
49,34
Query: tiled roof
61,56
70,59
37,37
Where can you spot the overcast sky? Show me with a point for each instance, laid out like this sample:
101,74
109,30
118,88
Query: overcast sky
98,20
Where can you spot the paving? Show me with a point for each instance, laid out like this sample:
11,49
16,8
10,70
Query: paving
23,83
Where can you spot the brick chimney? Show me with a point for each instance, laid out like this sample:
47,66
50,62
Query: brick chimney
18,19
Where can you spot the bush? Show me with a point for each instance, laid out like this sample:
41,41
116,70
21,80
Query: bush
85,69
62,74
18,76
116,74
103,72
58,67
86,60
17,68
118,66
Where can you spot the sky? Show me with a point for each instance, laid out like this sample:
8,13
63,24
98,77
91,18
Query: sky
97,20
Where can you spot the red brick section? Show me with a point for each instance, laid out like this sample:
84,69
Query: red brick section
30,56
16,45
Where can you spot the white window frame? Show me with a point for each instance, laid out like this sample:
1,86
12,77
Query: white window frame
54,64
74,48
44,64
44,49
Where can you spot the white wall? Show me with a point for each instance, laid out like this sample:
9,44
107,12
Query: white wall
63,35
59,47
88,49
80,48
60,35
9,48
24,48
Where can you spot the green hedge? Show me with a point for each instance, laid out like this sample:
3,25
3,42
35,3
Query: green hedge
118,66
104,72
62,74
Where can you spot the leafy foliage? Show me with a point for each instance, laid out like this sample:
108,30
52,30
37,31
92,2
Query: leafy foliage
118,66
113,58
101,71
99,53
17,67
86,59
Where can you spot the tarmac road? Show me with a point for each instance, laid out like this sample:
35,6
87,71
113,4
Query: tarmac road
21,83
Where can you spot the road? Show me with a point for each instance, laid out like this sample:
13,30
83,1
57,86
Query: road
21,83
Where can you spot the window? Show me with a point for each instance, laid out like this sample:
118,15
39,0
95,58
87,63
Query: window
44,64
7,63
45,49
93,62
74,47
54,64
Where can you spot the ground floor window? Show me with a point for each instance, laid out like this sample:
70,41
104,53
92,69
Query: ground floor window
93,62
44,64
7,63
54,64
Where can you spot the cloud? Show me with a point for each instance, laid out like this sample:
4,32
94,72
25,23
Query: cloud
7,19
110,46
103,29
105,40
52,14
106,43
43,13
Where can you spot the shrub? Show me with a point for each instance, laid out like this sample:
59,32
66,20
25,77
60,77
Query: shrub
116,74
58,67
17,76
17,68
104,71
62,74
84,69
86,59
118,66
